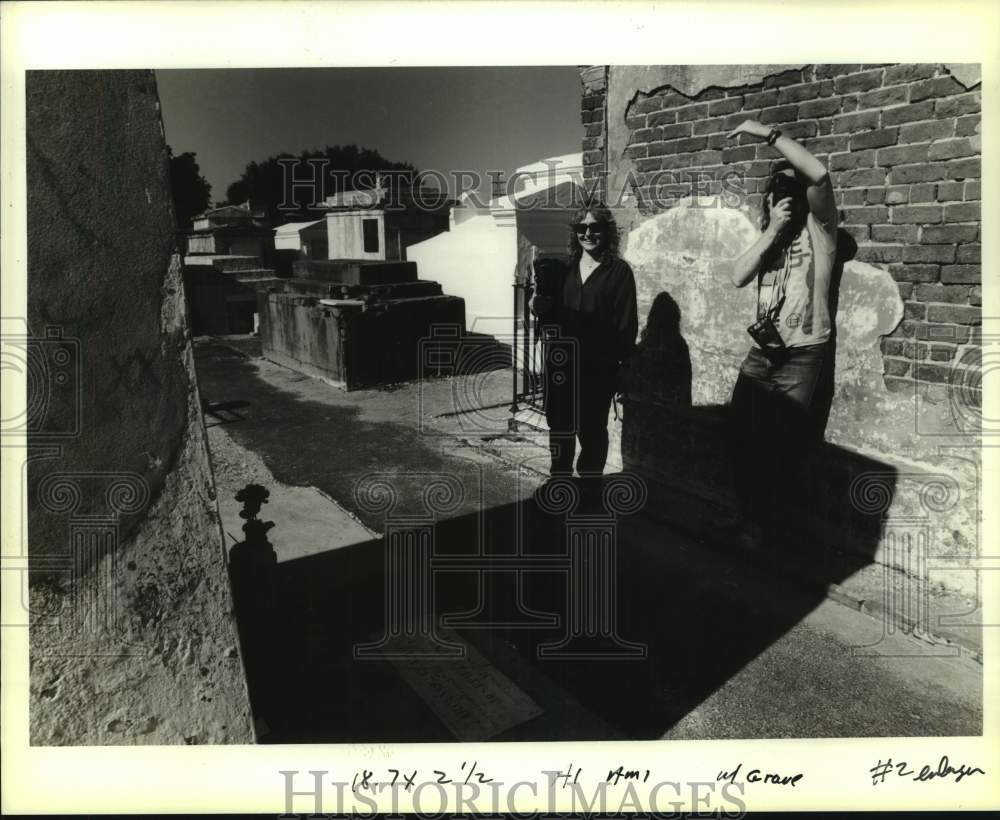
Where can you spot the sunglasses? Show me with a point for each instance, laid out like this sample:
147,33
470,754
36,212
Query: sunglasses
584,227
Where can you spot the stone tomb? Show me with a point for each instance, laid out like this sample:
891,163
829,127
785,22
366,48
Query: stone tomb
355,323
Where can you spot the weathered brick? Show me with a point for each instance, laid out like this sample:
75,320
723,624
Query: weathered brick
729,105
713,125
898,114
636,151
861,176
761,99
967,126
646,135
859,82
856,121
920,172
976,296
882,97
896,194
937,373
973,189
963,168
719,141
828,144
851,196
823,107
926,131
650,104
634,121
896,367
740,153
902,154
712,93
969,254
948,234
952,294
676,131
961,274
929,253
956,314
892,347
924,331
950,191
908,72
914,310
905,289
959,105
962,212
836,69
943,353
922,192
866,216
874,139
851,160
805,91
778,114
894,233
936,87
692,112
824,125
858,232
651,164
849,103
800,129
593,157
792,76
661,118
880,253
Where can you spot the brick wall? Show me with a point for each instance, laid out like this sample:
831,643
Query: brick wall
903,147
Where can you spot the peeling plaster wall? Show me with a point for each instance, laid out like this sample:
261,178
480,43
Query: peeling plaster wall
900,452
132,633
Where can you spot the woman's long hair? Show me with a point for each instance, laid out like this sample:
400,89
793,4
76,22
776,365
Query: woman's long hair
602,213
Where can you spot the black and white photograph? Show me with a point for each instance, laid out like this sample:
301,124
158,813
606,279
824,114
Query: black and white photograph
485,412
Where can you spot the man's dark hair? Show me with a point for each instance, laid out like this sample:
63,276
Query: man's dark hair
602,213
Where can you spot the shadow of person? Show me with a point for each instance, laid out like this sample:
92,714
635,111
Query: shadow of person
252,569
660,367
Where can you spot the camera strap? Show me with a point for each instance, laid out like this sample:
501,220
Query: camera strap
778,287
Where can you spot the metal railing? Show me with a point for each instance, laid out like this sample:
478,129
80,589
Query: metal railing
527,384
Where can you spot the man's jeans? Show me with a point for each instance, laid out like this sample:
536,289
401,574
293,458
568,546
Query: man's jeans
772,423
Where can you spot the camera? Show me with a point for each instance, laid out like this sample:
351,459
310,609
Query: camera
765,333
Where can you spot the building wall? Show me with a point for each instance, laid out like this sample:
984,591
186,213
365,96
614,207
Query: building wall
132,636
345,235
903,146
475,261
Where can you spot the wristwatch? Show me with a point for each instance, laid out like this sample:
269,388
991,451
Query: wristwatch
773,136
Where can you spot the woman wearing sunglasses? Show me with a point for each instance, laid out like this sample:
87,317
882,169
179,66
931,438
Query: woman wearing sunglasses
593,308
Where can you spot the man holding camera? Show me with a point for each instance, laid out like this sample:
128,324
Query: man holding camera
791,263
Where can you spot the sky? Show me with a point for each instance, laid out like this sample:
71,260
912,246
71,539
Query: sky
447,119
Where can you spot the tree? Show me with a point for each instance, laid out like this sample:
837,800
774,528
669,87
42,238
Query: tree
267,184
190,189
